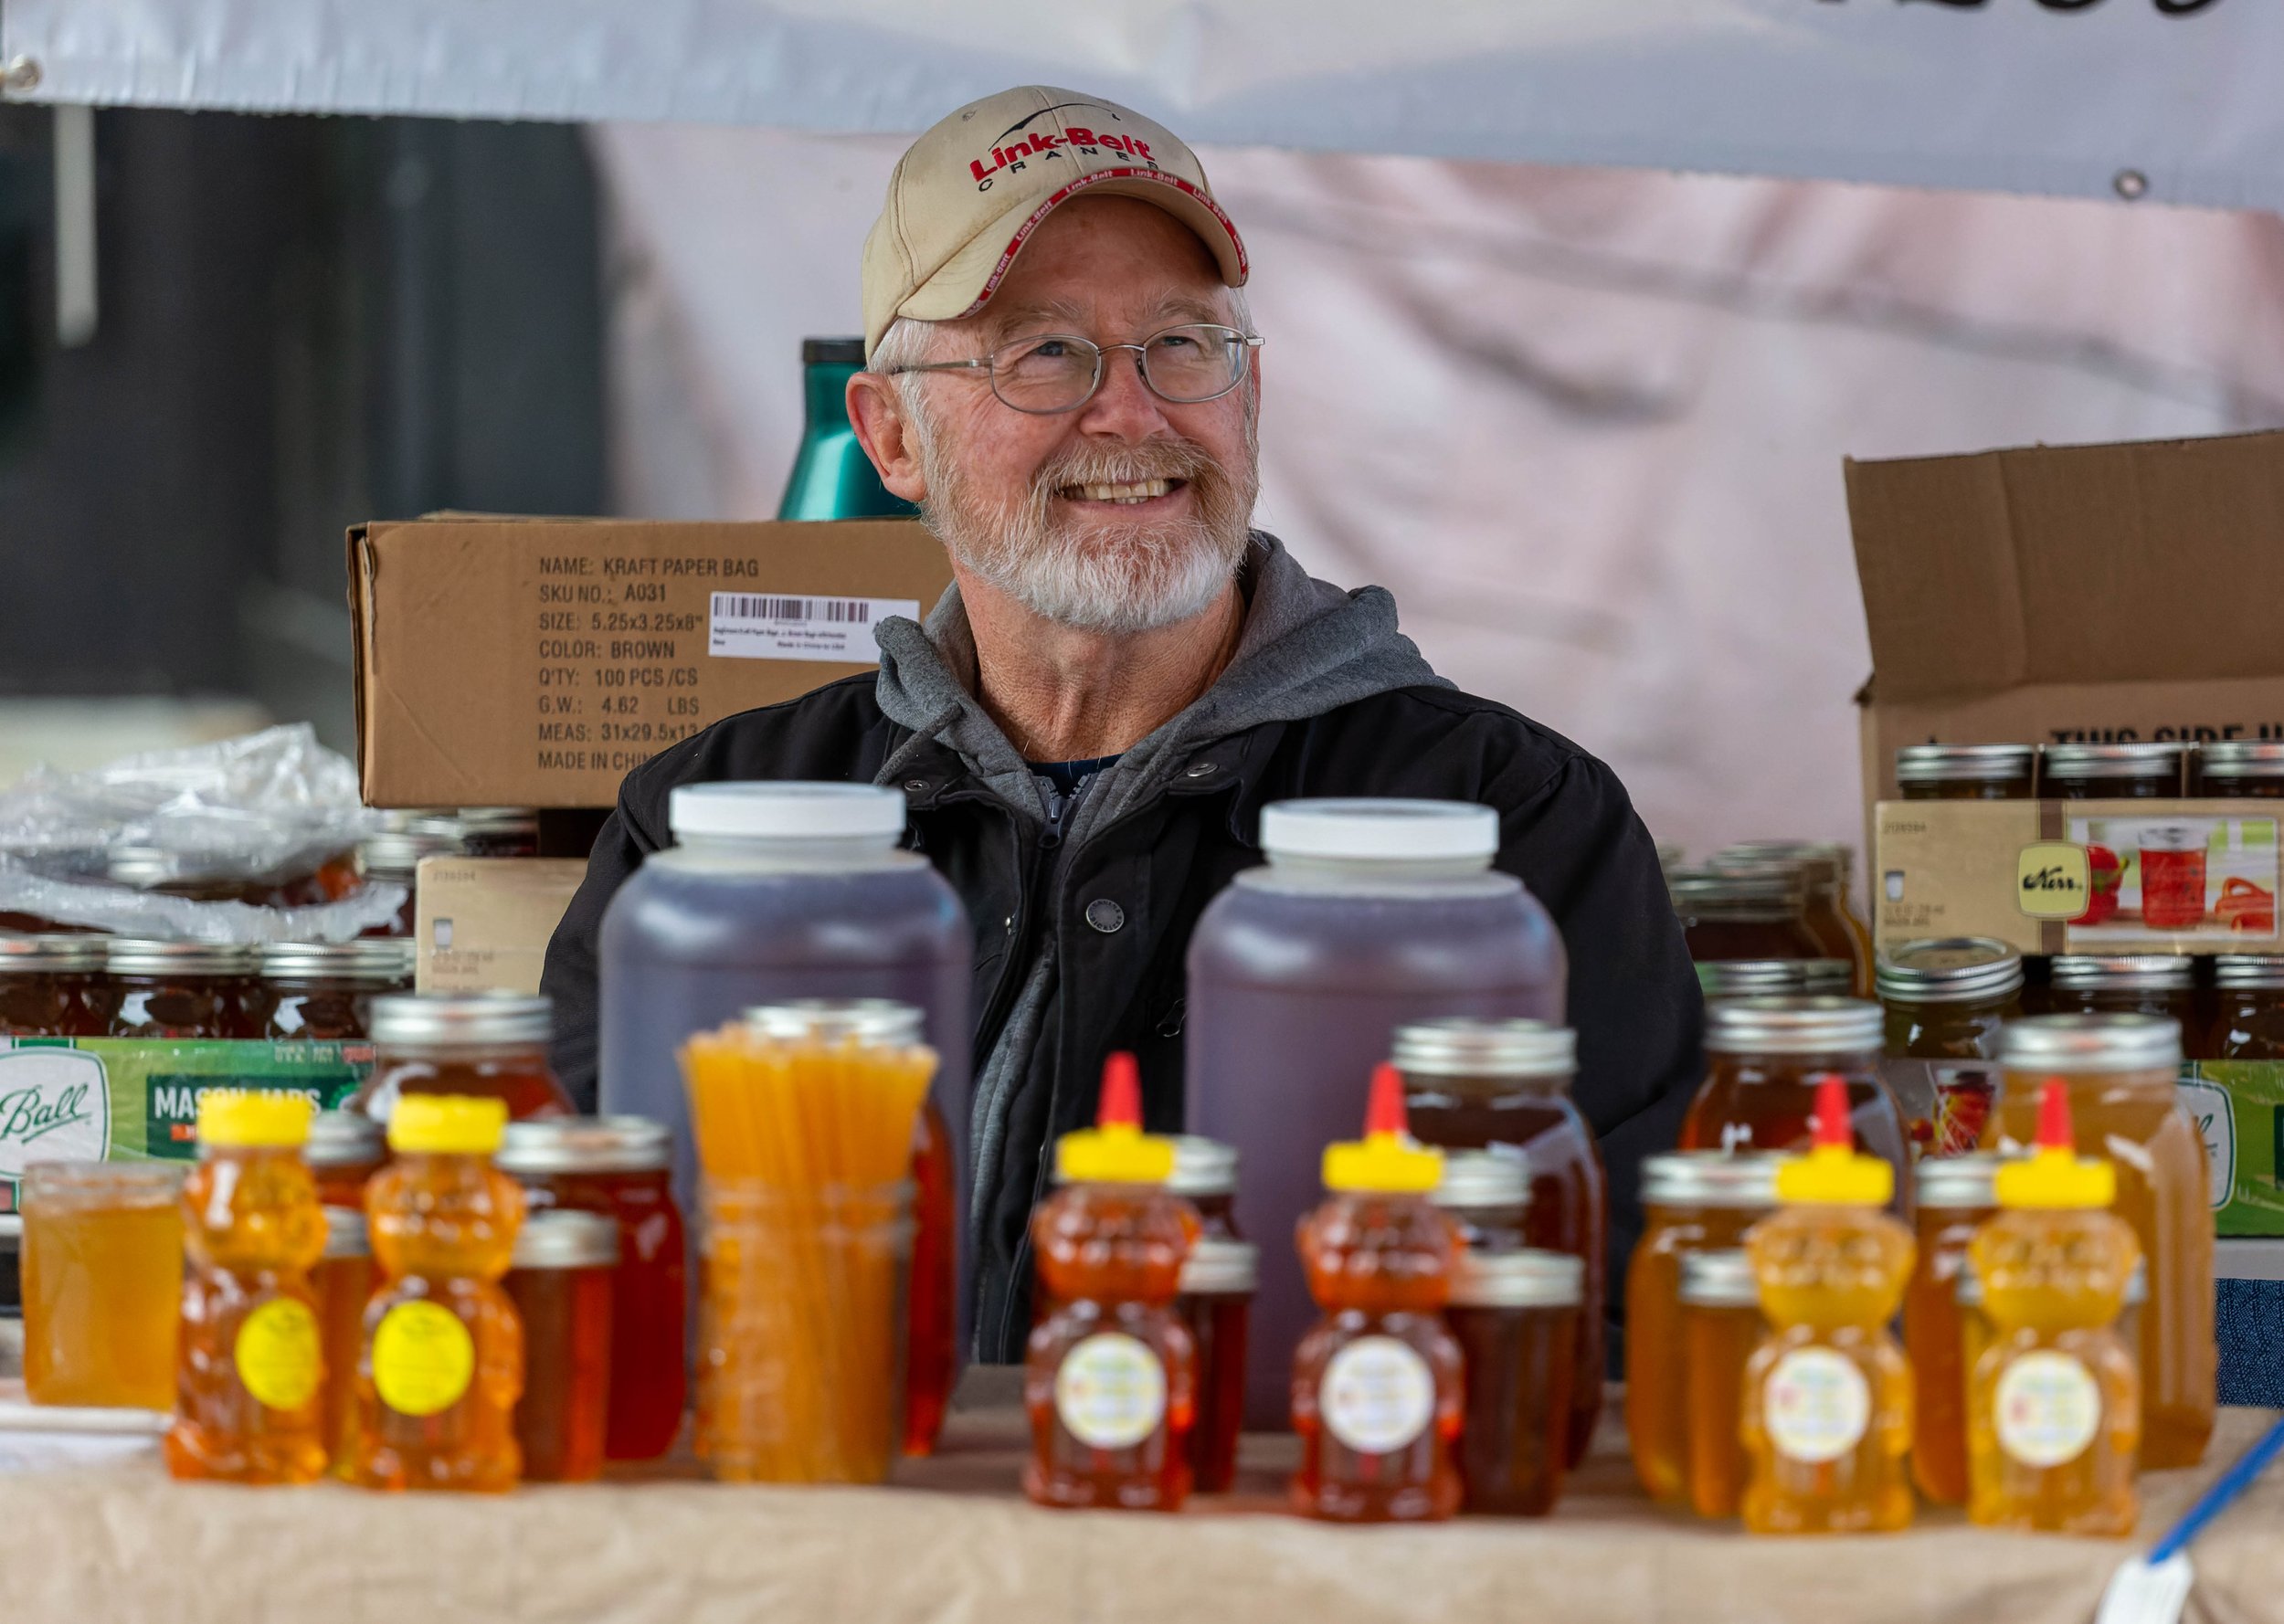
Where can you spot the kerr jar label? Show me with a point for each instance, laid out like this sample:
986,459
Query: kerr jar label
1110,1392
2054,880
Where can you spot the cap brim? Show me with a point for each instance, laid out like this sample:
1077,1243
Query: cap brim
965,282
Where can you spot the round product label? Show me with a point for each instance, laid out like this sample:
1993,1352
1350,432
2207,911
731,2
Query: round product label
277,1354
1817,1405
1378,1395
2046,1408
1110,1391
423,1358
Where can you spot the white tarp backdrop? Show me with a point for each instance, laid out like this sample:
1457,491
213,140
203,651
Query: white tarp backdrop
2181,97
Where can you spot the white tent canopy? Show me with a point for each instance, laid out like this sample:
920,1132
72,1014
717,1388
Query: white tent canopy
2182,100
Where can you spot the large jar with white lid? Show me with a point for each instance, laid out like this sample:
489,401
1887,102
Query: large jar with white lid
1368,915
772,892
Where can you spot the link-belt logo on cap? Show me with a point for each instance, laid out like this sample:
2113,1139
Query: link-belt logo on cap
1011,154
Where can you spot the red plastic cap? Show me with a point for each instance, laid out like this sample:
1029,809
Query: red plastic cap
1831,1118
1121,1104
2054,1115
1383,1112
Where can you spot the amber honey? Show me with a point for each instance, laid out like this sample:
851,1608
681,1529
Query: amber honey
1721,1326
490,1046
1955,1196
102,1283
344,1280
1762,1056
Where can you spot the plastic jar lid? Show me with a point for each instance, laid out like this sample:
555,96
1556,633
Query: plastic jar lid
882,1022
584,1144
1762,978
1979,764
53,956
345,1234
2068,1043
344,1139
2135,972
1949,970
1954,1182
2246,970
129,956
1525,1279
1474,1179
1467,1046
1203,1166
1793,1026
1710,1179
1218,1268
559,1238
1721,1278
2113,760
786,810
2241,758
383,961
430,1020
1383,829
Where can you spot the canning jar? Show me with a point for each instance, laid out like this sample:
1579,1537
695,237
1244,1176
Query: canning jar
1515,1317
393,858
1767,978
2121,1070
2248,1021
2231,769
490,1045
1205,1176
485,831
102,1283
344,1279
2112,772
1757,913
53,986
2160,984
1955,1195
1966,772
1945,998
182,989
1721,1326
1826,869
621,1166
560,1280
326,989
1486,1196
344,1149
1763,1057
1218,1282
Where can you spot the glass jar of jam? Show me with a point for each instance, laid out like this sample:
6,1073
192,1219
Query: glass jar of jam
1762,1057
1514,1315
2248,1019
1757,913
1945,998
1966,772
326,989
344,1149
182,989
1826,870
344,1280
492,1045
1773,978
1218,1282
1721,1326
1504,1086
1205,1176
2159,984
53,986
393,858
618,1166
2232,769
1955,1195
1692,1201
2112,772
560,1280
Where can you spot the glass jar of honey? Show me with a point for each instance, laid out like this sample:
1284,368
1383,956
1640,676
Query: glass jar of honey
1205,1176
1966,772
1762,1057
1692,1201
1755,913
393,858
2159,984
1773,978
1945,998
182,989
102,1283
489,1046
2231,769
560,1280
1955,1195
2112,772
345,1148
1721,1326
324,990
53,986
344,1279
1218,1282
2121,1070
2248,1018
1514,1315
1825,868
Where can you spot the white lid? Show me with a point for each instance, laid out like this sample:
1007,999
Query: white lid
786,810
1380,828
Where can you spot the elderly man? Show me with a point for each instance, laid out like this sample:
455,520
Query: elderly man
1063,376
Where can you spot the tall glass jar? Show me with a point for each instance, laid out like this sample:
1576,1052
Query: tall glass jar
1773,978
53,986
2121,1070
1955,1195
1759,913
325,990
560,1279
2157,983
1826,869
393,858
2249,1018
182,989
1945,998
1721,1325
2112,772
1966,772
1763,1057
2239,769
1205,1176
490,1045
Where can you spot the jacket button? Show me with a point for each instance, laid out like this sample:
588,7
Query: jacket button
1105,916
1204,769
916,785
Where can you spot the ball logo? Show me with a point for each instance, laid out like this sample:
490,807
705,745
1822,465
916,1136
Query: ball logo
54,1106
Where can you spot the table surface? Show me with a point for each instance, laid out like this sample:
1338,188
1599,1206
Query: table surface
954,1541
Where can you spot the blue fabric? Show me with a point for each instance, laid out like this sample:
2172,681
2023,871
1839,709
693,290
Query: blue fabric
2251,1331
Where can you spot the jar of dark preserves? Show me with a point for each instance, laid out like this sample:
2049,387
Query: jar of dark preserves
393,858
2112,772
492,1045
2239,768
53,986
1514,1315
1828,869
1966,772
1944,1000
1759,913
1218,1282
1763,979
326,989
182,989
2248,1023
2124,983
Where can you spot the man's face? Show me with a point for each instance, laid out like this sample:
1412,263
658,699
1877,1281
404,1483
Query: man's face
1130,512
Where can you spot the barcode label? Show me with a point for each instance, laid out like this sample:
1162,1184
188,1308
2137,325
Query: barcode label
768,626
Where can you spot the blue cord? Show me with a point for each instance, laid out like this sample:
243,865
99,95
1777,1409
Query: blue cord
2225,1489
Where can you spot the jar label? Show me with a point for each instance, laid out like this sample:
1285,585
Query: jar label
1378,1395
2046,1408
1818,1405
1110,1392
277,1354
423,1358
2211,1108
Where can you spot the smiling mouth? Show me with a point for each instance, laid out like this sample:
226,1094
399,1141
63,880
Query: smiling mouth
1123,495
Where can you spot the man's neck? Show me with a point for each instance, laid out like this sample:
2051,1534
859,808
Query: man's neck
1060,695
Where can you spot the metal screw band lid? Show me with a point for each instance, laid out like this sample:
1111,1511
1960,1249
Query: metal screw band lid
129,956
882,1022
1956,1182
1793,1026
432,1020
1929,763
1524,1278
1474,1179
2068,1043
2248,970
584,1144
1824,862
1203,1166
1762,978
1720,1278
2138,972
1949,970
53,955
2113,760
345,1235
1464,1046
1219,1268
1777,887
395,854
558,1237
1710,1179
381,961
2241,758
344,1139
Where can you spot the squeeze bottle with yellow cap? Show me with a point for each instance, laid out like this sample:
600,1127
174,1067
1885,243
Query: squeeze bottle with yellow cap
1377,1391
247,1368
1827,1394
442,1363
1110,1373
2054,1407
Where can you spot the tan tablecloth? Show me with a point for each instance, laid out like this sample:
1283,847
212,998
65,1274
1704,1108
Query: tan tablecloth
955,1544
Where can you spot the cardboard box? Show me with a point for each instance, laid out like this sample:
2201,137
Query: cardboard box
482,923
532,662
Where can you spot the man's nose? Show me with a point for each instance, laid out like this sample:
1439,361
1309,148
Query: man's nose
1124,407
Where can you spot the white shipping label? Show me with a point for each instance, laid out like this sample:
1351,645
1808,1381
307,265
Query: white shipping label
770,626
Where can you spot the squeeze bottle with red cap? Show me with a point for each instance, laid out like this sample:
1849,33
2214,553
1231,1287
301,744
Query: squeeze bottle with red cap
1827,1394
1110,1374
2053,1407
1377,1391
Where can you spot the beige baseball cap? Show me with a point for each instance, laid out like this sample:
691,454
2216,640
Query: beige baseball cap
967,194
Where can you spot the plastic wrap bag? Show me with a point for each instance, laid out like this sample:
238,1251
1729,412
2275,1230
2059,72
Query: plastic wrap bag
274,804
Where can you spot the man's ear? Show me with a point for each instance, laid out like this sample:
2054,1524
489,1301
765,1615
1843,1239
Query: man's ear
877,413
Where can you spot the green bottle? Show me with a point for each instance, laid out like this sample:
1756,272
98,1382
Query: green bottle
833,477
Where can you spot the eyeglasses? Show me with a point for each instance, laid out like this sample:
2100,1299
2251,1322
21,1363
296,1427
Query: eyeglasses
1059,372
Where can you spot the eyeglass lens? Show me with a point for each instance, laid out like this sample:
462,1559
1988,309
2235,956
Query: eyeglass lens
1056,373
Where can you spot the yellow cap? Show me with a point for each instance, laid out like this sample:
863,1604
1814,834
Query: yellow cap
1832,1173
1387,1160
2055,1175
242,1118
447,1125
1116,1150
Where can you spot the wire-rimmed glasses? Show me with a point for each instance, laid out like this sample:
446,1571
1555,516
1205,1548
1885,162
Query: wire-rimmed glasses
1057,372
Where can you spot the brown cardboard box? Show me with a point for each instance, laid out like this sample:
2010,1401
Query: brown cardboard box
482,922
530,662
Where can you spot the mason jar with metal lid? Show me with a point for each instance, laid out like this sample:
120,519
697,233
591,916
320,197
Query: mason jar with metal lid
1205,1176
1745,913
343,1283
1956,1193
1515,1317
1826,866
1763,1057
560,1280
485,831
1219,1279
1966,772
2239,768
54,987
492,1045
2248,1018
2121,1072
344,1149
1721,1325
324,990
1767,978
182,989
2112,772
1485,1194
1945,1000
2159,984
1692,1201
393,858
